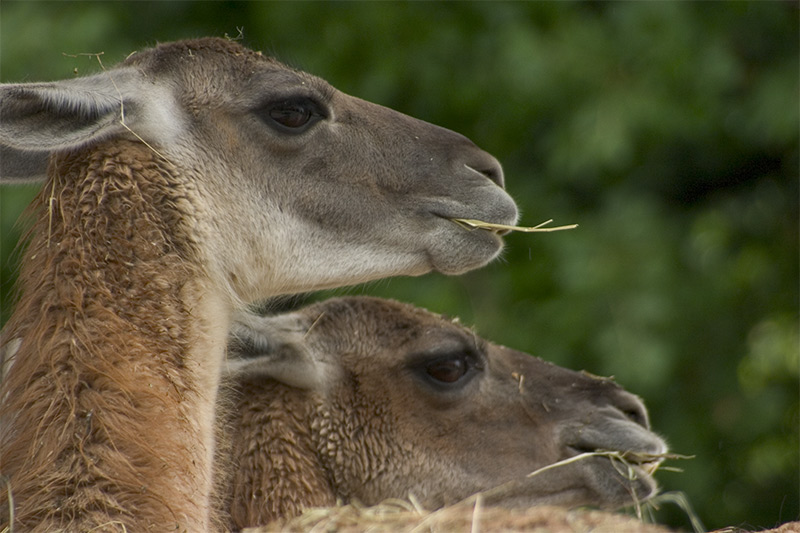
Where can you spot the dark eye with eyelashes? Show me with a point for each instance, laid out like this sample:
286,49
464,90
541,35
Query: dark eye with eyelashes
447,371
293,116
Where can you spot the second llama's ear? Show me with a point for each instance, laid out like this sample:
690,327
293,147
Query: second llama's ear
275,348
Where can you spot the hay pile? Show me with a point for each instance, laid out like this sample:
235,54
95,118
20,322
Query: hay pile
399,516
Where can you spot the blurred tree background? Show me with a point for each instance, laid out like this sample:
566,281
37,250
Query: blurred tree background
667,130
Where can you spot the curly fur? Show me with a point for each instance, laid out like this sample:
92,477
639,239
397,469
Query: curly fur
109,292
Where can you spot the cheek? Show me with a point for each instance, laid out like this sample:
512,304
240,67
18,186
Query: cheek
345,208
498,445
316,166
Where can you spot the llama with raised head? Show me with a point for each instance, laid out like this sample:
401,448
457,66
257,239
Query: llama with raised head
192,179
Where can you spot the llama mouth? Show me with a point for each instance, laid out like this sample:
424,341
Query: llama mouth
647,463
471,224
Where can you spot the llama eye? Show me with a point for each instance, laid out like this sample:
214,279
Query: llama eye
292,116
448,370
448,365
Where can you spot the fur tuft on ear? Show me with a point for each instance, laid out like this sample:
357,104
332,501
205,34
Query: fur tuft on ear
275,348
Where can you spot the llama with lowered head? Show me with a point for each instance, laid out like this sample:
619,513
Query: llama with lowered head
190,180
367,399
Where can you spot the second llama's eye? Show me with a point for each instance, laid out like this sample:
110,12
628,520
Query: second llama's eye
448,370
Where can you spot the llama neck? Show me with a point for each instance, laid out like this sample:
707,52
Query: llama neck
108,403
276,471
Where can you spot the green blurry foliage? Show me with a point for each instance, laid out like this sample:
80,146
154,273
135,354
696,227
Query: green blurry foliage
667,130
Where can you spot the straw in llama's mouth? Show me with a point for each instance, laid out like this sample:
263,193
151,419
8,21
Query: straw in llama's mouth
647,462
502,229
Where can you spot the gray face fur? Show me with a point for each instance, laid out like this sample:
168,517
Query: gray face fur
295,185
404,401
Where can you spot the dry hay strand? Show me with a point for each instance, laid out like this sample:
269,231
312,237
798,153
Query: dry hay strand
471,224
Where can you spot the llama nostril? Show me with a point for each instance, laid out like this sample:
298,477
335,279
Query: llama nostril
632,408
636,416
489,167
494,173
636,412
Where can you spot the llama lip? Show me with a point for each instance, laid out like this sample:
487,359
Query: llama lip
650,467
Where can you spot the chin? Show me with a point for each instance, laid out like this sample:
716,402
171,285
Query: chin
465,254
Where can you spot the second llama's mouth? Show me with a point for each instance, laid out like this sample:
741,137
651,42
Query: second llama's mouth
647,462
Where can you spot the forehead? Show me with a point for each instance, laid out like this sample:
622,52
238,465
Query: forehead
211,69
209,52
380,323
210,73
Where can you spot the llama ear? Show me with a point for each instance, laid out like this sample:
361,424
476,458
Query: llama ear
37,119
276,348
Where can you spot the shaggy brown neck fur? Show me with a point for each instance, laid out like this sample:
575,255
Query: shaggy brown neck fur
99,424
276,471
